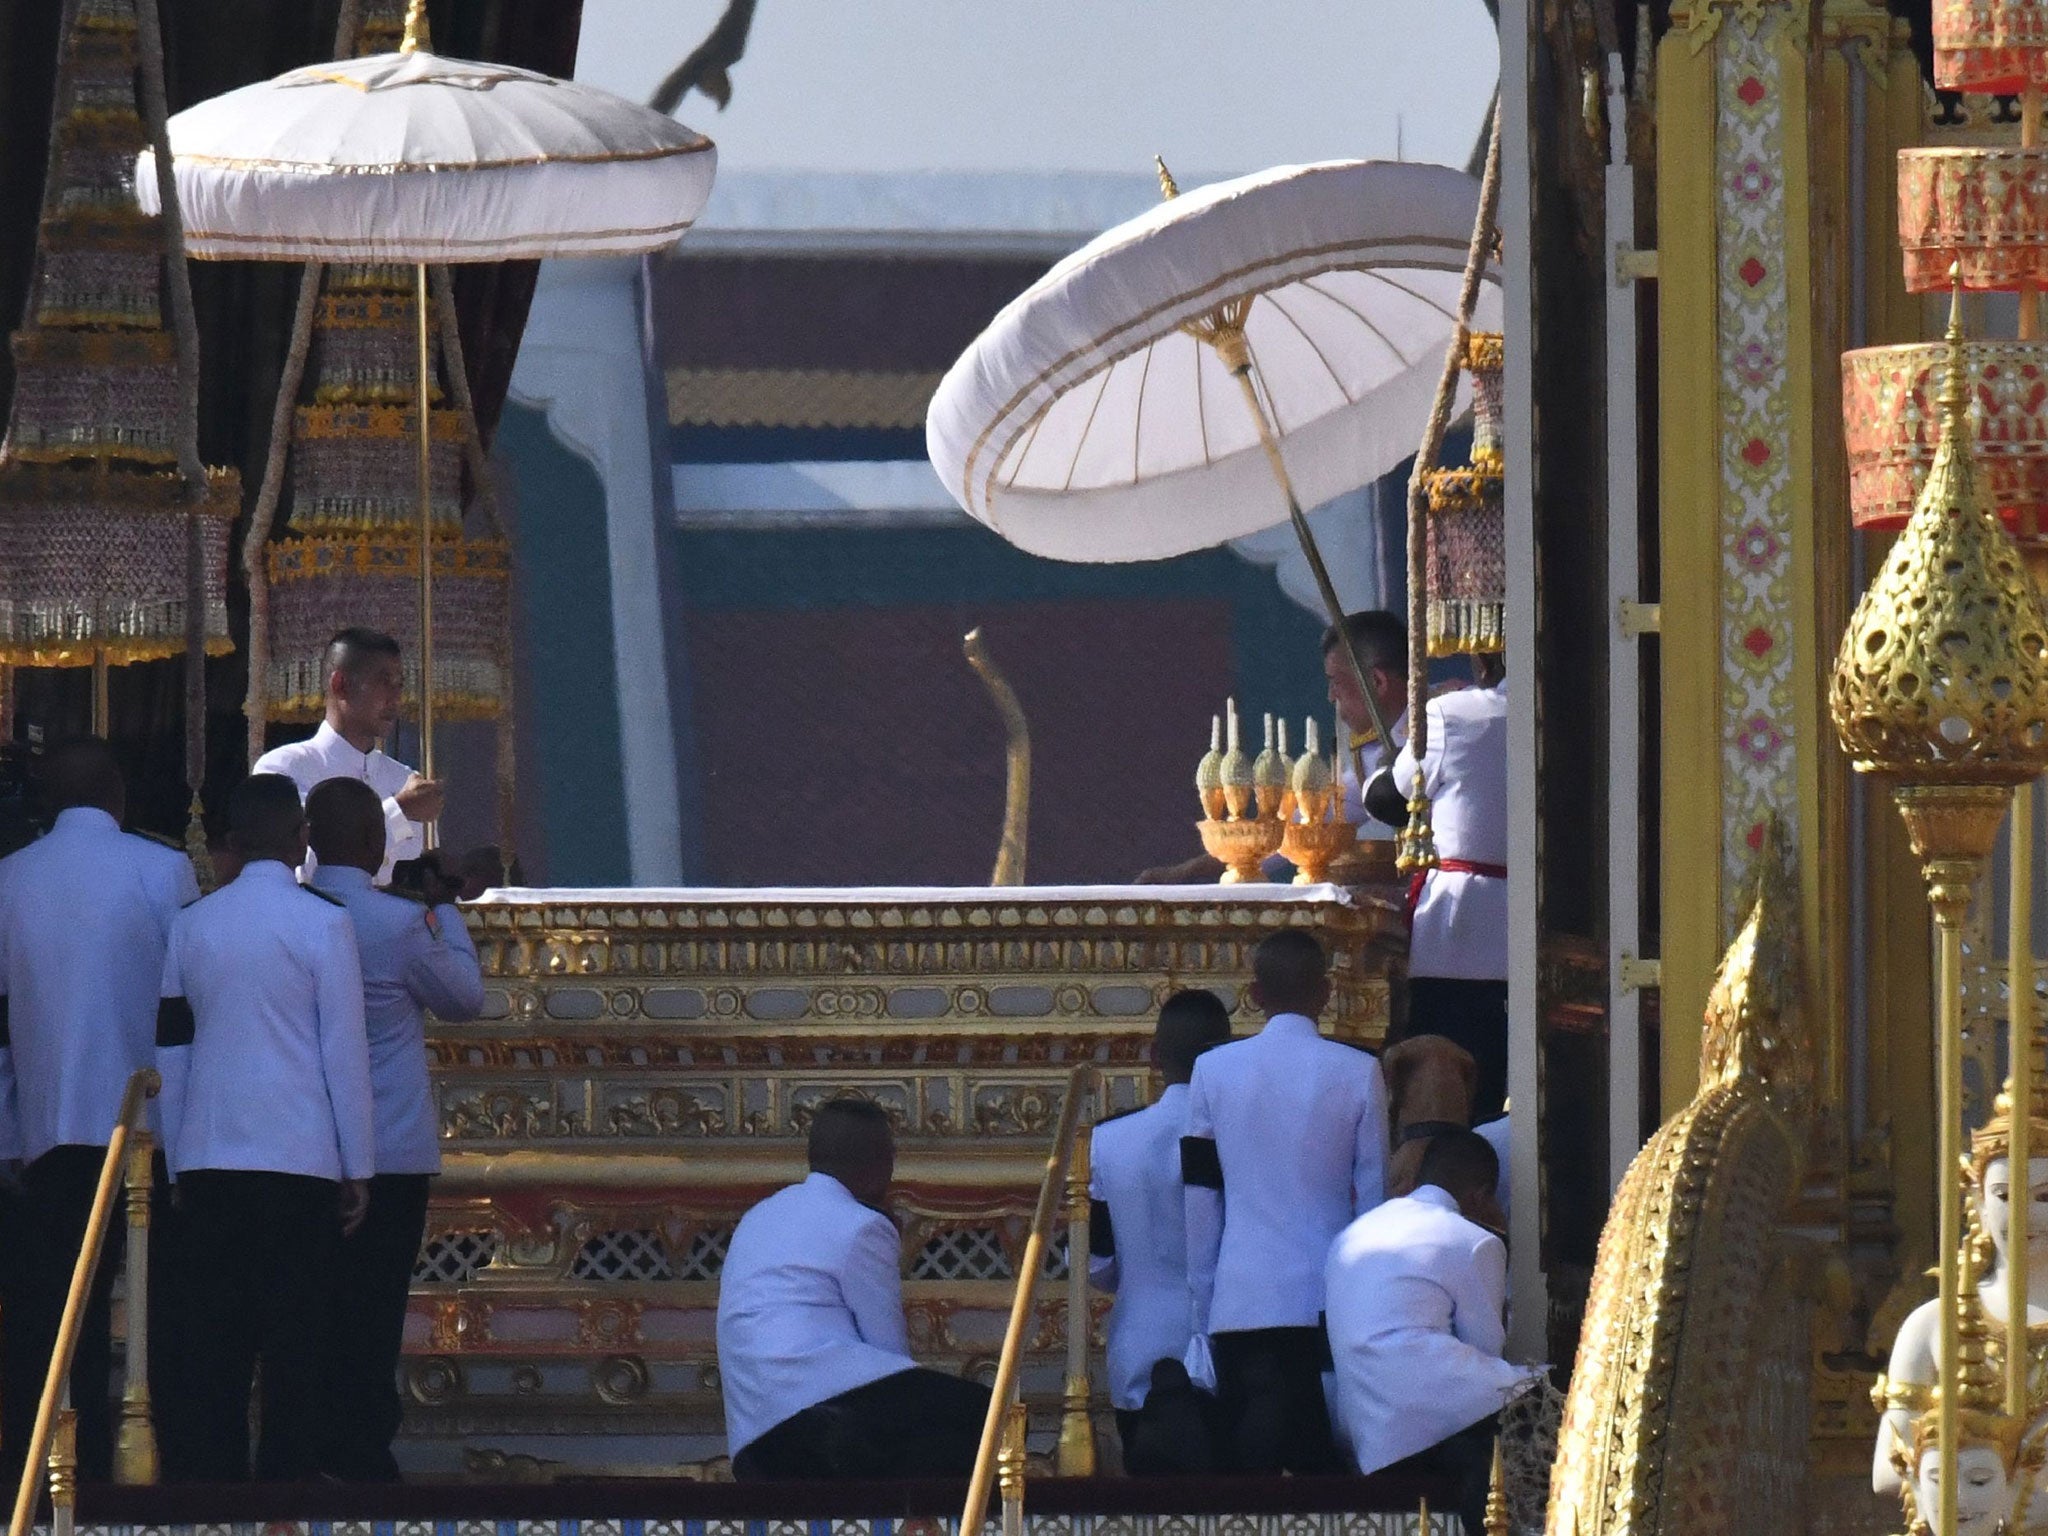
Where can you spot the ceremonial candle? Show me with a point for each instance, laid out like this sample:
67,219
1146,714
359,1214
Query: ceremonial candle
1230,717
1309,744
1283,736
1269,731
1215,733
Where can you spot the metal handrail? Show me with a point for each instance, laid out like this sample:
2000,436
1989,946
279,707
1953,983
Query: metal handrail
1002,1433
54,1436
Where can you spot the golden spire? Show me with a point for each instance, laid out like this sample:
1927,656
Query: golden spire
1169,189
1942,676
417,37
1754,1028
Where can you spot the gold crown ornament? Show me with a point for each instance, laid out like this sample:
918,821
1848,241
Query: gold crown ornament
1239,830
1318,832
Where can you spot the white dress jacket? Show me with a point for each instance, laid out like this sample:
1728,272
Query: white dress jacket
810,1305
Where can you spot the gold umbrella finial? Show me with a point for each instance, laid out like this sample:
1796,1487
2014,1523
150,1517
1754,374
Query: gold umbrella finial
1169,189
417,36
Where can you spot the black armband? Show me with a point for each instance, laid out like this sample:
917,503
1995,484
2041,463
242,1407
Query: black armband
1200,1167
1384,801
6,1039
174,1022
1101,1234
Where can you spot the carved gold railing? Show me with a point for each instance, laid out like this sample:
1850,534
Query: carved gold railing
1002,1436
55,1436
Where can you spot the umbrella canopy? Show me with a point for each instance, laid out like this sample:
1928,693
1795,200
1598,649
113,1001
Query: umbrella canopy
1087,424
417,158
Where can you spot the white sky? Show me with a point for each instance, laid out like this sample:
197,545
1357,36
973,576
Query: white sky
1216,86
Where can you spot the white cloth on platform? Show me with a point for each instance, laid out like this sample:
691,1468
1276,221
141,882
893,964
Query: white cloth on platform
271,1069
1134,1173
413,957
810,1305
326,754
1299,1125
1461,922
85,913
1417,1296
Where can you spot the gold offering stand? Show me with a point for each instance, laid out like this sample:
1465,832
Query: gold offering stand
647,1068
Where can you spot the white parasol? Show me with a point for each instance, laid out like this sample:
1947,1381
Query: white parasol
1147,395
410,157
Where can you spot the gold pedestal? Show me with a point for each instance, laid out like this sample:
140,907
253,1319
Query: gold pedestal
1312,846
1243,846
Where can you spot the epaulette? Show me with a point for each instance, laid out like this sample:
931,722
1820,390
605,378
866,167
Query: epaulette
332,901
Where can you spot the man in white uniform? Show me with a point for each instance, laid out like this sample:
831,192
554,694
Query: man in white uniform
84,916
1458,945
1417,1305
812,1348
413,957
365,681
269,1135
1286,1142
1137,1226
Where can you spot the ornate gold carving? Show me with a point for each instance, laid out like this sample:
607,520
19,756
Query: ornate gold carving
1681,1329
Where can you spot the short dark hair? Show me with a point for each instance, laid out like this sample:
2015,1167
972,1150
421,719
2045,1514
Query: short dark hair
849,1134
1190,1022
342,815
350,650
264,812
1459,1160
1289,969
83,771
1379,637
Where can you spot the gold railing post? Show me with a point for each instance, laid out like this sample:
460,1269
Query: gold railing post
1003,1393
1077,1430
1498,1521
64,1469
135,1459
1423,1527
1010,1469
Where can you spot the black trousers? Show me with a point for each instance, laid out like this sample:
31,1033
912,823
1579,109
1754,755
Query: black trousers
1473,1014
1269,1392
258,1251
1467,1459
55,1206
917,1423
373,1276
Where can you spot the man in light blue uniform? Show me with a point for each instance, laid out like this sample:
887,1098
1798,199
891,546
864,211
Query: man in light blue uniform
414,956
84,916
268,1134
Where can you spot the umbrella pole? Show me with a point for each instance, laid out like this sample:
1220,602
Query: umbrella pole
1243,374
426,544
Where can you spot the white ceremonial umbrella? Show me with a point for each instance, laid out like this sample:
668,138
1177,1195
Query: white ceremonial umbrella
1201,371
414,158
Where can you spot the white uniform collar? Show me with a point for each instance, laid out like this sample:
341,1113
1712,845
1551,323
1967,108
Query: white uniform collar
85,818
825,1182
1170,1090
1436,1195
272,870
1292,1022
329,739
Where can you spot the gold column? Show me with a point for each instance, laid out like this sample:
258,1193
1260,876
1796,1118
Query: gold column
1010,1469
64,1469
135,1457
1077,1432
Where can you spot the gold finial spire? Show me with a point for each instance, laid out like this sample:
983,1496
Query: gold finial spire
1942,676
1753,1025
417,36
1169,189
